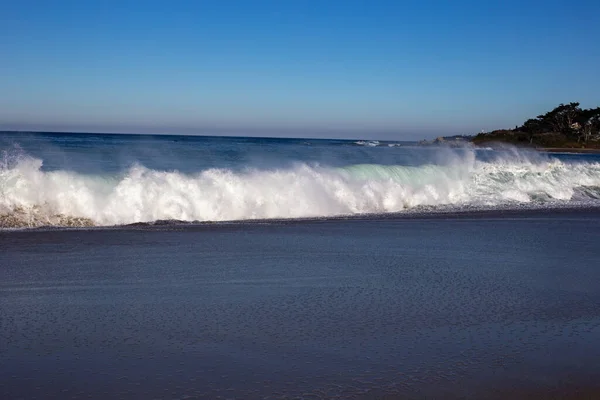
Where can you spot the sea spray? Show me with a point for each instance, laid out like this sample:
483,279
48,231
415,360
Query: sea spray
31,196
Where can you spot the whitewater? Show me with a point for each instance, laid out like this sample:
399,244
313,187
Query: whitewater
76,180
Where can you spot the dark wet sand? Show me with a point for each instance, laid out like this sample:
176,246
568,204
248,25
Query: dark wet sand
493,306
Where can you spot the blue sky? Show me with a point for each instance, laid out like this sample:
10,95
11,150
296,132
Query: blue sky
381,69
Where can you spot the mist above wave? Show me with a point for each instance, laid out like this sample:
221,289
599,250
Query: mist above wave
30,196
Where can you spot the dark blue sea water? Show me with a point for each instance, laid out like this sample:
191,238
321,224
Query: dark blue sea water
90,179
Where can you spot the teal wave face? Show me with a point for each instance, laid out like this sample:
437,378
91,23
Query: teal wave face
421,175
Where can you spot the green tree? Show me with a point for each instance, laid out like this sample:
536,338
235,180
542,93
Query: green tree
532,127
562,118
589,122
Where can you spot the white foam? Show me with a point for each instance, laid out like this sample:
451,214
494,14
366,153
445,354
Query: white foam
368,143
143,195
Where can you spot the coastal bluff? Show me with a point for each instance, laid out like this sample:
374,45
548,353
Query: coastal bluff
567,127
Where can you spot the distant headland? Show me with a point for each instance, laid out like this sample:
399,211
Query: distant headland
567,127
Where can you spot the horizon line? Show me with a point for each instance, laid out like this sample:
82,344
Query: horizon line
228,134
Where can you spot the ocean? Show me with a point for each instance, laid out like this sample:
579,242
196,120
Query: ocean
139,266
105,180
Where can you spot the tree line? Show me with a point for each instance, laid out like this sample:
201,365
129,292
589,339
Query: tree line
567,119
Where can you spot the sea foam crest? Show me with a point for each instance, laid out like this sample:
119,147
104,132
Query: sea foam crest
30,196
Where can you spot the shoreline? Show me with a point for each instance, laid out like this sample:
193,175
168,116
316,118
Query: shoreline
442,213
568,150
575,150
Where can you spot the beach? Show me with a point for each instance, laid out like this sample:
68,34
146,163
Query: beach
491,305
299,200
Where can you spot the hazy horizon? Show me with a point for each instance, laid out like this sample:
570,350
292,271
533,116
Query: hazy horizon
373,70
270,132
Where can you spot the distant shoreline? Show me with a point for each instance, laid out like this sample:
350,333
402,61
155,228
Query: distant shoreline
497,143
568,150
566,128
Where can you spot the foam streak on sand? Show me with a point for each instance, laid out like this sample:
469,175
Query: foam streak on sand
30,196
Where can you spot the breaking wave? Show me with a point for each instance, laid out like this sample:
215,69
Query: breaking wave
30,196
369,143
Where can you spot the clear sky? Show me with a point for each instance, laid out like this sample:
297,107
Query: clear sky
382,69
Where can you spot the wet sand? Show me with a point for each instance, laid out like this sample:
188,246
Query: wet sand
503,305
